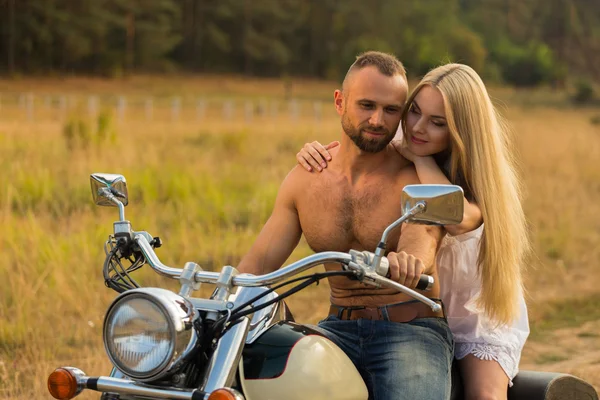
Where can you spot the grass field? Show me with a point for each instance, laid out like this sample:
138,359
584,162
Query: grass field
206,187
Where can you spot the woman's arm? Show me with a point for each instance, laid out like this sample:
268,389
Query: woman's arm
430,173
315,156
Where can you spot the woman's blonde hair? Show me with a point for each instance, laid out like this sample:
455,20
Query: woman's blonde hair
481,161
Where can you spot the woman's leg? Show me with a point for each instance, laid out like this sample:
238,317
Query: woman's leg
483,379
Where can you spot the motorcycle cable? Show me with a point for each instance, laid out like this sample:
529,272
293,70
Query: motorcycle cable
240,312
120,281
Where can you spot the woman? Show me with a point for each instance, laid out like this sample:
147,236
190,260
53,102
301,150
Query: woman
453,135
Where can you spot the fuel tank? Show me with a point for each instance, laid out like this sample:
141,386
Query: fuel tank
294,362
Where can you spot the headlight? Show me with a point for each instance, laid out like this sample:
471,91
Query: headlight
148,331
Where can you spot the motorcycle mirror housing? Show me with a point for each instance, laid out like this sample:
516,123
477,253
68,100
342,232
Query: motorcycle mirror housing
444,204
106,188
425,204
110,190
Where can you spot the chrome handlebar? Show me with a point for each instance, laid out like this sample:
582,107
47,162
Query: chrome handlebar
356,261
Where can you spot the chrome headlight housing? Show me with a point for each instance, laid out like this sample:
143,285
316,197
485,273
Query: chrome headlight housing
148,332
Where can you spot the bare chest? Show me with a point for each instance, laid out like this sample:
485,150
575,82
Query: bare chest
337,217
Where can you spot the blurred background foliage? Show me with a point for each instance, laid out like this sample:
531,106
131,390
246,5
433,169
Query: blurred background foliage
516,42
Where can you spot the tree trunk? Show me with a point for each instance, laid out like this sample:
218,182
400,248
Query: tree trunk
11,37
129,57
247,26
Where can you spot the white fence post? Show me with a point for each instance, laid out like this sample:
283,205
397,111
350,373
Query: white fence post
121,106
263,107
21,101
228,109
149,108
274,109
200,109
92,107
62,108
175,109
294,109
249,111
318,110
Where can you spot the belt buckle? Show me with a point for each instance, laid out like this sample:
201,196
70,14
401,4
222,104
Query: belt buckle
351,309
347,310
374,313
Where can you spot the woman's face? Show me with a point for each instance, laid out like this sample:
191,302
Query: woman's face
427,131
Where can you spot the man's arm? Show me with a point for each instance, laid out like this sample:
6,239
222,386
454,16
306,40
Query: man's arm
279,236
416,253
417,246
422,242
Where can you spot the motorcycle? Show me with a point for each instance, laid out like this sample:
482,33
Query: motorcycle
242,342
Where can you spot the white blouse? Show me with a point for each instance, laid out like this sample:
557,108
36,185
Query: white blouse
473,332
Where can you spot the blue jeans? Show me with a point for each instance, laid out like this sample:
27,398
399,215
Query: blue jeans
408,360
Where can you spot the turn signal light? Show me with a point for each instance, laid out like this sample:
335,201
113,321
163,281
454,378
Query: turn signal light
62,385
225,394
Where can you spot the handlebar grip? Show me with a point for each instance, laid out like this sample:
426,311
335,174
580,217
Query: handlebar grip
425,282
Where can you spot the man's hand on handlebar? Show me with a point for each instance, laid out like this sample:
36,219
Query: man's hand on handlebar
405,268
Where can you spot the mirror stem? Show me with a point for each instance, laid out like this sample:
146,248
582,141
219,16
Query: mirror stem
121,210
380,251
109,195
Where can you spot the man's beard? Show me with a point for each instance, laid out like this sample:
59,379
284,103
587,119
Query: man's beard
361,141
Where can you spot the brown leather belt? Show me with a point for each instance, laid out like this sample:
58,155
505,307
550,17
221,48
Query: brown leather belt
400,312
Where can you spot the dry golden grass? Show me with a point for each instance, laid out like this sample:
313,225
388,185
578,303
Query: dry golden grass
207,186
220,86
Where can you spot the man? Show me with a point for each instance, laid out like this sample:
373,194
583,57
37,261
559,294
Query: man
403,351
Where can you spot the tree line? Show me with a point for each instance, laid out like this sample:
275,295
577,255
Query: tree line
519,42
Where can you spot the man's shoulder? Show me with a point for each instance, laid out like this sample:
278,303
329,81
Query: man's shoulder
298,175
296,180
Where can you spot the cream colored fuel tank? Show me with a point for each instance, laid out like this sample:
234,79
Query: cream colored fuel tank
294,362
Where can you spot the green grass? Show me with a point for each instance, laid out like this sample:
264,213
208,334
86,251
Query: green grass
566,314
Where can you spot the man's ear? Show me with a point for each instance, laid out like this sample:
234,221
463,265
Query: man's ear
338,101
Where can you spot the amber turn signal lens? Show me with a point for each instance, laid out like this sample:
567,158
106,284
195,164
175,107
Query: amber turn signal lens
223,394
62,385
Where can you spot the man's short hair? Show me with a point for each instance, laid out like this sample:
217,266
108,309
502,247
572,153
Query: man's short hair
387,64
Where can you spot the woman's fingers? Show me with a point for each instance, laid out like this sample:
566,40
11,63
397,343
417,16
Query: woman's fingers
318,152
309,158
331,145
314,156
302,161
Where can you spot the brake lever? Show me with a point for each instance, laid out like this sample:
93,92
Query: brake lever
372,278
382,281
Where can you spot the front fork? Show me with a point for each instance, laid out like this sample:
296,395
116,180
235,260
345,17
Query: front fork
226,357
